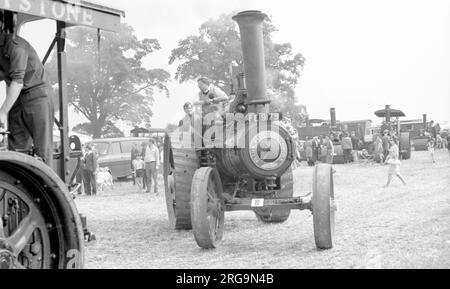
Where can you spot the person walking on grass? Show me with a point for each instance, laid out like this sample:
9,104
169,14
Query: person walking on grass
385,143
394,163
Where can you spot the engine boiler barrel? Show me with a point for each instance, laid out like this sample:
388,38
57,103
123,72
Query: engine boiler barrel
268,153
252,42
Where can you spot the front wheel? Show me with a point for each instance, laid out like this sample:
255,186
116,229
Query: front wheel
207,208
323,206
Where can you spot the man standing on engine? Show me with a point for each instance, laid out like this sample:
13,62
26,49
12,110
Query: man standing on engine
28,109
213,98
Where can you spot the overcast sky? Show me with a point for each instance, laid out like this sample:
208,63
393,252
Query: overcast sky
360,54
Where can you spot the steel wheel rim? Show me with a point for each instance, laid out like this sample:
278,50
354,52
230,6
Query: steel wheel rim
213,210
171,180
332,205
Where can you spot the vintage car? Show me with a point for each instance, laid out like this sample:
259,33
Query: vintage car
115,153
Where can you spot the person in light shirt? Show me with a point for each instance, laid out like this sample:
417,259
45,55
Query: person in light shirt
139,168
151,159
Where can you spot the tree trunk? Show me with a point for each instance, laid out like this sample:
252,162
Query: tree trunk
97,129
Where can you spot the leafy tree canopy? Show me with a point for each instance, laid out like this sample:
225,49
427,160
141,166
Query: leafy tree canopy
111,85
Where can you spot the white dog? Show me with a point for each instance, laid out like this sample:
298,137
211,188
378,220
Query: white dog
104,179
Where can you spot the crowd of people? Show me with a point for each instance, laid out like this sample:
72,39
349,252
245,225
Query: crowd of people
438,143
145,164
321,148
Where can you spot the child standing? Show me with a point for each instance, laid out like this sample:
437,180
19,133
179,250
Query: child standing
139,168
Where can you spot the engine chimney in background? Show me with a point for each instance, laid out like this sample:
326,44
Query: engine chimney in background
333,117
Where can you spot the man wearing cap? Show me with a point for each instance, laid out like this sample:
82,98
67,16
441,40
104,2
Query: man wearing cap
27,108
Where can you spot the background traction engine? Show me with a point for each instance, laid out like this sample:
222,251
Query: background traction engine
244,164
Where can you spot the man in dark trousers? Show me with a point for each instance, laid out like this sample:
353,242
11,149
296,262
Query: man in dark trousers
90,167
27,108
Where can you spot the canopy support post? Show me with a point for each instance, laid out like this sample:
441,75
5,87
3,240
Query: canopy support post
63,103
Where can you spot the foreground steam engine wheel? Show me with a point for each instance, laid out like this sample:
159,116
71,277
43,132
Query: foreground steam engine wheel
179,168
39,225
323,206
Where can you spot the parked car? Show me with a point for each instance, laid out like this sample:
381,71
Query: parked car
115,153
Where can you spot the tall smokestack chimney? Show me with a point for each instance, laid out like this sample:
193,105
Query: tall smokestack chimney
425,122
252,42
333,117
388,115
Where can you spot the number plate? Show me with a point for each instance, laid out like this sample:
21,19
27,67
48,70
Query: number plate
257,203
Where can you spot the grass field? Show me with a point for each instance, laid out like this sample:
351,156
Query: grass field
398,227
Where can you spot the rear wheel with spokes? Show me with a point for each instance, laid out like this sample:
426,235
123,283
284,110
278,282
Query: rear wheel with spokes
39,224
23,229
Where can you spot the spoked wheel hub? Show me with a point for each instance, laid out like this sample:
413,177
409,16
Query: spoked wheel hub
24,234
7,260
40,227
214,211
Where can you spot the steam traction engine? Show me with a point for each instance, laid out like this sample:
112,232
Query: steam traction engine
215,165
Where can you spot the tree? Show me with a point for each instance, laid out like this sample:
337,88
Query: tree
218,45
111,85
